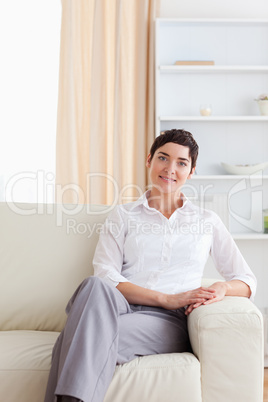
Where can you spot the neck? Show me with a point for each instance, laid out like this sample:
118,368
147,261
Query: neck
166,203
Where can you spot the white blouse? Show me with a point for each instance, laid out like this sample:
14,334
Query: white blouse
139,244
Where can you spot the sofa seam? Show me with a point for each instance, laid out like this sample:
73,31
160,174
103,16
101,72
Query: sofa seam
155,367
4,370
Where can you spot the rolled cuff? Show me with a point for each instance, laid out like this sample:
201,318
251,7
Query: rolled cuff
113,278
250,282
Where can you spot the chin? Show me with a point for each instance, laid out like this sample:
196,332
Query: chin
170,190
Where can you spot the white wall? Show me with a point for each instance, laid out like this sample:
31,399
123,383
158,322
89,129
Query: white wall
214,9
29,43
29,69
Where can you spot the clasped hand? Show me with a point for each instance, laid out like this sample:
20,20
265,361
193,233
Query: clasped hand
194,298
218,292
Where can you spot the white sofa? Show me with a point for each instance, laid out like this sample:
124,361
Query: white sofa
45,252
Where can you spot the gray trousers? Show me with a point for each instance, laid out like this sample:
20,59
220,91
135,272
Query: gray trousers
103,330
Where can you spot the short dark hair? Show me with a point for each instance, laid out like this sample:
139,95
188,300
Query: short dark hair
178,136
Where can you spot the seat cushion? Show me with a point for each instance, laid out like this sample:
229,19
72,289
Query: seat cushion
173,377
25,364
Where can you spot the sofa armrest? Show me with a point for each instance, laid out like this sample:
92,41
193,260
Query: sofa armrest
227,338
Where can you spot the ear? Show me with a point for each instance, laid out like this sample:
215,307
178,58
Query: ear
191,173
148,161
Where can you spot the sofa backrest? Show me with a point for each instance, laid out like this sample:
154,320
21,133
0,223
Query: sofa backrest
45,252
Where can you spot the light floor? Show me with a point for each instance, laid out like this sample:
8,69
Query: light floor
265,393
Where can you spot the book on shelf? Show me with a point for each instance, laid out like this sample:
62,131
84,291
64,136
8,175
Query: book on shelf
194,63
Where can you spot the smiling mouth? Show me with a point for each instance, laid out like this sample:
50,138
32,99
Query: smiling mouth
167,179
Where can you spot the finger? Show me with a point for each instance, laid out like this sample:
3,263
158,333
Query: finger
198,300
211,301
206,295
197,305
189,309
211,290
210,295
208,291
195,302
192,306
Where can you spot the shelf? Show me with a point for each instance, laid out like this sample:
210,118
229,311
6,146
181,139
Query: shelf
215,118
228,177
213,69
250,236
224,21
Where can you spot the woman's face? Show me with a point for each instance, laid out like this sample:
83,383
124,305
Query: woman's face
170,167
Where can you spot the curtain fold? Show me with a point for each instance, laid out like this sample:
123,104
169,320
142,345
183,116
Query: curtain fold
106,100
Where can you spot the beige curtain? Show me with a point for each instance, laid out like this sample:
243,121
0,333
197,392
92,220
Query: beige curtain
106,99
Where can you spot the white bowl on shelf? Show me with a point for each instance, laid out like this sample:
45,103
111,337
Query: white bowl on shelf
244,169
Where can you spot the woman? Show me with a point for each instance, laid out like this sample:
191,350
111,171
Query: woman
148,266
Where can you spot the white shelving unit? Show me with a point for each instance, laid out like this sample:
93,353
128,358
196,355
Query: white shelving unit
228,177
235,133
211,119
212,69
256,236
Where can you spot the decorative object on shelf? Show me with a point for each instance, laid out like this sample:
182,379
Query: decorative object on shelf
194,63
262,101
244,169
265,220
205,110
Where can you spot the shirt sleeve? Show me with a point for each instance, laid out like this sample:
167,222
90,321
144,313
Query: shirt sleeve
108,257
228,258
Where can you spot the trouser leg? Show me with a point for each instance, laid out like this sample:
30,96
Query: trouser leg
85,354
152,330
146,331
99,332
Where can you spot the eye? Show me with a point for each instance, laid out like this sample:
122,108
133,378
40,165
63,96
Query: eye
182,164
162,158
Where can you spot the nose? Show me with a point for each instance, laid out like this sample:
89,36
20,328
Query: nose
170,167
